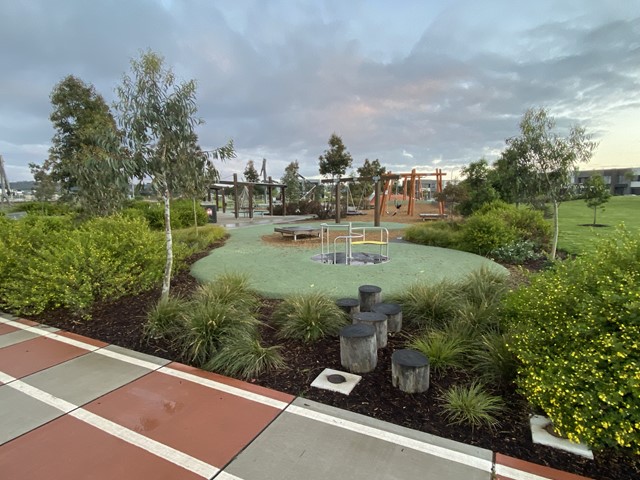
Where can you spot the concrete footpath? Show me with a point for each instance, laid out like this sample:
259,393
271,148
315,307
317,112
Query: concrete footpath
75,408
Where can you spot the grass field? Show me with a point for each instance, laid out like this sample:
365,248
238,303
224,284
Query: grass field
575,238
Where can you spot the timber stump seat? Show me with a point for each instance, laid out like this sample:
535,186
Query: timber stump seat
349,305
378,321
393,311
358,352
369,295
410,371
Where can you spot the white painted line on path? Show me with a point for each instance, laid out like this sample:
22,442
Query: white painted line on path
515,474
134,438
255,397
238,392
396,439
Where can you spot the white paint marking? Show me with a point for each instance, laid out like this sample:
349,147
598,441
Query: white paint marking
126,358
51,335
225,388
516,474
227,476
442,452
134,438
152,446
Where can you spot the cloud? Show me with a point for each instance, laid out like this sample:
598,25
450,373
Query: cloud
280,77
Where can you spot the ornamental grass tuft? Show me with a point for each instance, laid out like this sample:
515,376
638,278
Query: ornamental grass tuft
471,405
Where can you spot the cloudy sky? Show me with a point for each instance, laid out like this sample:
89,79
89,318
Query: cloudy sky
414,83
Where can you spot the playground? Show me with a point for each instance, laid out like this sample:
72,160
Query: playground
278,265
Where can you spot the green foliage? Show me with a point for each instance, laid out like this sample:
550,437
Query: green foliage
194,241
483,287
246,358
44,208
596,193
211,325
229,288
478,188
166,319
434,234
444,350
50,262
308,317
471,405
498,224
428,305
515,253
336,159
181,213
493,360
292,181
483,233
575,332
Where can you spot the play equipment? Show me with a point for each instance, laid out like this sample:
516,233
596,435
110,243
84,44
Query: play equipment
358,236
412,187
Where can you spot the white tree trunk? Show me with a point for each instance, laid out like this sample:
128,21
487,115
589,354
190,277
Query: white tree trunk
195,217
166,280
556,227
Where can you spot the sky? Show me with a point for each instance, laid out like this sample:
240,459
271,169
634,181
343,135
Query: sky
414,83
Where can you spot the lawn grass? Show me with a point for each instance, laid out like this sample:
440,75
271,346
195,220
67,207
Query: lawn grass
577,239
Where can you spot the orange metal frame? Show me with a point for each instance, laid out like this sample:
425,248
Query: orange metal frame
409,188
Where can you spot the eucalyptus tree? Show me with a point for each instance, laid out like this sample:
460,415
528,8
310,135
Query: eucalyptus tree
335,161
551,158
596,194
158,117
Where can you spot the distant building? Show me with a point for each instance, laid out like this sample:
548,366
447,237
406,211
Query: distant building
621,181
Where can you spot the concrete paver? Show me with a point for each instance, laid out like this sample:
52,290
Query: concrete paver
75,408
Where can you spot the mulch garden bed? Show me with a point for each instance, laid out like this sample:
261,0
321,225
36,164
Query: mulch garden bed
120,322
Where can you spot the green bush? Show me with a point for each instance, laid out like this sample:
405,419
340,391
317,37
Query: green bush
211,325
484,232
308,317
245,358
50,262
435,234
428,305
471,405
43,208
443,350
575,333
166,320
198,240
516,253
181,213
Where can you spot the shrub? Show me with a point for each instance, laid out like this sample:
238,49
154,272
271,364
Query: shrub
166,320
198,240
308,317
181,213
516,253
483,233
211,325
484,287
50,262
246,358
575,333
436,234
232,289
471,405
493,360
442,349
428,305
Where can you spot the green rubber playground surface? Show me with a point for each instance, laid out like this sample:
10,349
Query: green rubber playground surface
279,271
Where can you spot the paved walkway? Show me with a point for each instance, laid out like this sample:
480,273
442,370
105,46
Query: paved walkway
76,408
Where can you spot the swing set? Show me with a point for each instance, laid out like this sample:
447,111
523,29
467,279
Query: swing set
411,189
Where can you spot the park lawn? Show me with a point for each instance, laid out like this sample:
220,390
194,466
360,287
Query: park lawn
577,239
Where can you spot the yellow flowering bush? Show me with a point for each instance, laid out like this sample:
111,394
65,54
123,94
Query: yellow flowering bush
576,334
52,262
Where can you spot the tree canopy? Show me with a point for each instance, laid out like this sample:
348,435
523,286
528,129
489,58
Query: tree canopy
336,159
549,157
158,118
292,181
596,193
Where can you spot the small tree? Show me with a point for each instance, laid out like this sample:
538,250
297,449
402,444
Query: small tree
596,194
158,118
292,181
478,187
365,185
551,158
45,186
335,162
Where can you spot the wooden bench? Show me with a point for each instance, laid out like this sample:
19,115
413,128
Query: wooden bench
433,216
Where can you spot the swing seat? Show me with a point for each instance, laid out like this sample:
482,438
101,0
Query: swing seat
368,242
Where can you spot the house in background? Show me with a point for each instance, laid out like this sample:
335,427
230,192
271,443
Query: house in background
621,181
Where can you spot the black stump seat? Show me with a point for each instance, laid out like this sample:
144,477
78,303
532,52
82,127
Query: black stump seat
369,295
378,321
358,352
393,311
410,371
349,305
